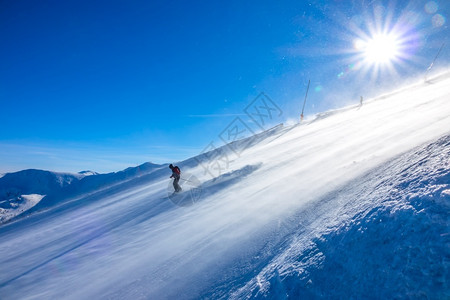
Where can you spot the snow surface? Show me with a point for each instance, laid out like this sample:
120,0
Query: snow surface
13,207
34,181
58,187
29,182
88,173
353,203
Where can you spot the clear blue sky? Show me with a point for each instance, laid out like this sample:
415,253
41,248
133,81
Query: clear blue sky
104,85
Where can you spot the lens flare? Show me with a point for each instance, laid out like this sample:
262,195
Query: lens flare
438,20
431,7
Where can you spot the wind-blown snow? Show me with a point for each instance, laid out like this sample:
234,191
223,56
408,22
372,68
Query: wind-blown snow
88,173
387,237
351,204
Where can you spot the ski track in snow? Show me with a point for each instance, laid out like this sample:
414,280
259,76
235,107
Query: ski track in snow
353,204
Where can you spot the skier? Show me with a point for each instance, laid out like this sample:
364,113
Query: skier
176,177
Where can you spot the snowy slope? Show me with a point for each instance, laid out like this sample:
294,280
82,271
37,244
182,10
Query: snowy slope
351,204
387,237
13,207
94,183
56,188
34,181
21,191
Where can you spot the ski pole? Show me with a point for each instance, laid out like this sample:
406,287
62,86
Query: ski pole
186,180
304,102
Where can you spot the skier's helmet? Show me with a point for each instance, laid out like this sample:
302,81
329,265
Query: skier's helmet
171,166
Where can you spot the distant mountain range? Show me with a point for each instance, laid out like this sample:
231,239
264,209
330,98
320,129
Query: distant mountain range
50,187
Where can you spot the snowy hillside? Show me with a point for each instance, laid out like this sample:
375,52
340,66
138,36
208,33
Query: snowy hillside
20,191
55,188
351,204
34,181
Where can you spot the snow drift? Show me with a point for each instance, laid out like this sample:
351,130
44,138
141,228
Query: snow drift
351,204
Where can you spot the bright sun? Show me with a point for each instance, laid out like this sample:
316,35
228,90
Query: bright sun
383,44
379,49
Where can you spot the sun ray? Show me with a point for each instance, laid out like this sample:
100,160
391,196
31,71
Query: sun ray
385,40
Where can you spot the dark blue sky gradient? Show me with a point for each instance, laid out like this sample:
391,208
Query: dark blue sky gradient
140,78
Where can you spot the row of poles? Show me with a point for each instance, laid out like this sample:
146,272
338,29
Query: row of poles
426,74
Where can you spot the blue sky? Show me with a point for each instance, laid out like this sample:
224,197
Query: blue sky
104,85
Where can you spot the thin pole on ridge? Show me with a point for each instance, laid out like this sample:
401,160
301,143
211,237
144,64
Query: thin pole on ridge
304,102
432,64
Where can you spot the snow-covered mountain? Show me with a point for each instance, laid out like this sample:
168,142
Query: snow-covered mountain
88,173
34,181
351,204
50,188
20,191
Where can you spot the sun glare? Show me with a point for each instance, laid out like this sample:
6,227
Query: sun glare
381,49
384,43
